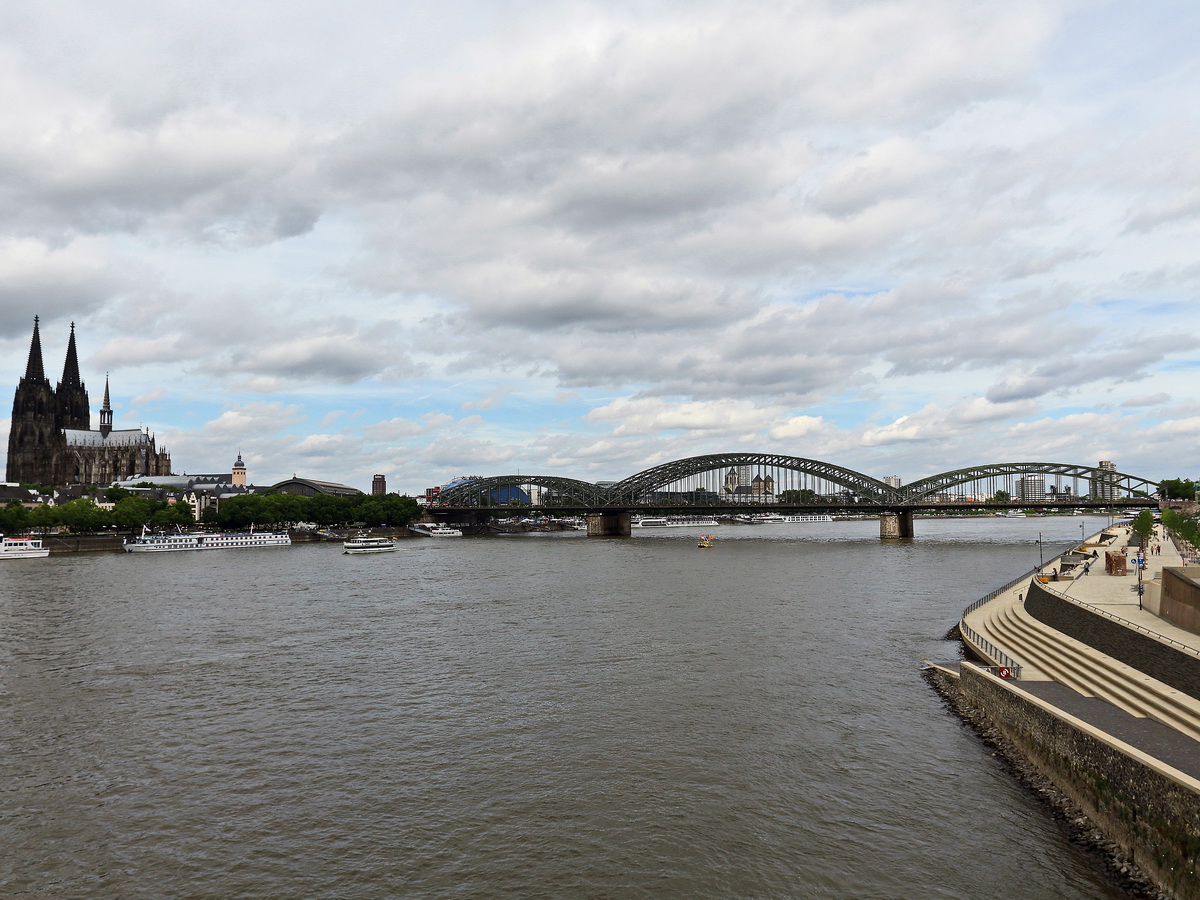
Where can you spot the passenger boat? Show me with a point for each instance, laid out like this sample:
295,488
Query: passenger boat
675,522
199,540
436,530
22,548
777,519
365,543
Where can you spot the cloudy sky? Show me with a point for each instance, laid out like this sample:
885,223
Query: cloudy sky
584,238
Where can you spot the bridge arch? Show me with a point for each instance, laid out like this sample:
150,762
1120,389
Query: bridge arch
487,491
1112,484
636,488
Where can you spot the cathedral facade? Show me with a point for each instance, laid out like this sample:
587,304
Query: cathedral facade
51,442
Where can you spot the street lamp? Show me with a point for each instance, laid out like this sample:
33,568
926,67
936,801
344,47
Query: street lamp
1041,562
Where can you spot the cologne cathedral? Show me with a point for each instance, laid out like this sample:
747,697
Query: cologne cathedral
51,441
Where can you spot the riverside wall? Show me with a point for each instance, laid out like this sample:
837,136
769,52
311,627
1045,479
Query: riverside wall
1141,651
1148,810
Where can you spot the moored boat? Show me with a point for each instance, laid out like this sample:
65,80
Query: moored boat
435,530
675,522
22,548
200,540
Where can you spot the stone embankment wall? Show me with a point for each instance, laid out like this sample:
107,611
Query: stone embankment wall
1158,660
1149,813
1179,600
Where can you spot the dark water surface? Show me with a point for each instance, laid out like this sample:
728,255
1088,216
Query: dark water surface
526,716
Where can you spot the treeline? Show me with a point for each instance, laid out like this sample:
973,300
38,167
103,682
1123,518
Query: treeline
1177,489
83,516
1183,526
131,512
288,509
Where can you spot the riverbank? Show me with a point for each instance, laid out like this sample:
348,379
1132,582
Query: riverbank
1090,699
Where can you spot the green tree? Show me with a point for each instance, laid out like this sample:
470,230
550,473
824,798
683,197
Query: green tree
116,494
82,516
132,512
43,518
1143,526
1002,496
1177,489
14,518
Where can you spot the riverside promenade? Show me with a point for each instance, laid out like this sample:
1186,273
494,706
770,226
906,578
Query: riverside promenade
1099,694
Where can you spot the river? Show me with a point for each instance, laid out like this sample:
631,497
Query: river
533,716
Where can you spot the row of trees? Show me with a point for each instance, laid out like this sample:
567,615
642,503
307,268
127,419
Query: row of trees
1178,489
1183,526
83,516
288,509
132,512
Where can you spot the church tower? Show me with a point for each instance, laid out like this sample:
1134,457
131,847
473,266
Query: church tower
32,437
74,407
239,471
105,413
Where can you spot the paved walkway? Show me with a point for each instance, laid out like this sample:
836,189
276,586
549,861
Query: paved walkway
1115,596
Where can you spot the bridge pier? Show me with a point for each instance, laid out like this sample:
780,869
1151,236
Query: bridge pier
896,525
608,524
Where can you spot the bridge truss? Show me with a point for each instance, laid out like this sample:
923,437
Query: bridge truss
754,479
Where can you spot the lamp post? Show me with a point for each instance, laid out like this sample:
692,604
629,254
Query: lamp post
1041,561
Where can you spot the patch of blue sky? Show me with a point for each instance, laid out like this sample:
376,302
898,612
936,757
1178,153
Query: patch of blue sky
845,412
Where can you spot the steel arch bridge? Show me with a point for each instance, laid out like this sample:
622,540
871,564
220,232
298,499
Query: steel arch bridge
636,488
486,491
861,489
1116,483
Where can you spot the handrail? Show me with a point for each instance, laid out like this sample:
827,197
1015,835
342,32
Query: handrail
1126,622
989,648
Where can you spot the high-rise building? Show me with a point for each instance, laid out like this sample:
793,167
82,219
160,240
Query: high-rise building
378,485
1104,486
1031,487
891,480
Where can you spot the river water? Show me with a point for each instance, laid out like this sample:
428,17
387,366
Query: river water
522,716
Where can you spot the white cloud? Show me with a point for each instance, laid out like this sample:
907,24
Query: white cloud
900,232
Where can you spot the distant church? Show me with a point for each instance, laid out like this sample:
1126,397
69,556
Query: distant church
51,441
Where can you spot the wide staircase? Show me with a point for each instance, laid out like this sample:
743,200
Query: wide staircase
1003,628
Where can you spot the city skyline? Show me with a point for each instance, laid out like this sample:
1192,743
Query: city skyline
581,240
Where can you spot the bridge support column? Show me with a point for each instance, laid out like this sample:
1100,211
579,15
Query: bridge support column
896,525
608,524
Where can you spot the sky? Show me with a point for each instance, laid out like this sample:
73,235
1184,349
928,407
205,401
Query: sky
582,239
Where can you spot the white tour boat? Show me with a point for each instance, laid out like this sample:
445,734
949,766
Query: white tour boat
436,530
778,519
365,543
22,548
675,522
199,540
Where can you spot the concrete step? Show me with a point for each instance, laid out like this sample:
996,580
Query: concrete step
1086,670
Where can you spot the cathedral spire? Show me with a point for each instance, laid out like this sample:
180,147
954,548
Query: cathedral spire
71,367
106,412
34,371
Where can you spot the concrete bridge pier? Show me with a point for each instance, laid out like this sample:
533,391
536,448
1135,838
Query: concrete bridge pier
896,525
608,524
